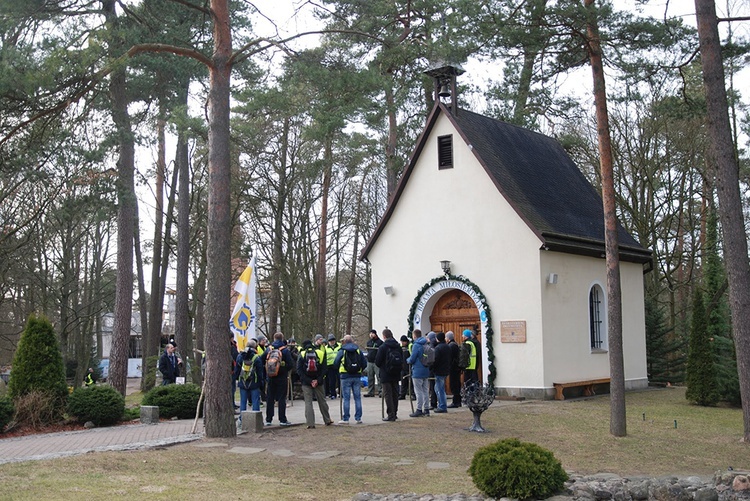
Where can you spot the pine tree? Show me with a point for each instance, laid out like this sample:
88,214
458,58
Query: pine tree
717,310
665,354
38,363
701,377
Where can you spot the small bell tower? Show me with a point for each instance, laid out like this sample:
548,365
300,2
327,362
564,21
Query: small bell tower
445,75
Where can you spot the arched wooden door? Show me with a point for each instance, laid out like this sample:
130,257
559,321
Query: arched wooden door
456,311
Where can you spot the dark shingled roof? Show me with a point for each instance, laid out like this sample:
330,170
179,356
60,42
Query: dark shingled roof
539,180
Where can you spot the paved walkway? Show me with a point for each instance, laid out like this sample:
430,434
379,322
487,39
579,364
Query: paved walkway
139,436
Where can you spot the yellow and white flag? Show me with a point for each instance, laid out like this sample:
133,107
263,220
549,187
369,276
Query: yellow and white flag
242,322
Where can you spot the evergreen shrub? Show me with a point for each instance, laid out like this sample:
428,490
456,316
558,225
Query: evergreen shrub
174,400
6,412
100,404
514,469
38,363
131,413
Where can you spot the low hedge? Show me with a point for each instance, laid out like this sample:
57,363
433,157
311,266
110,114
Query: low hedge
174,400
100,404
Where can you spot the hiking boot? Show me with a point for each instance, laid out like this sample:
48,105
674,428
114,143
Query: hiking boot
416,414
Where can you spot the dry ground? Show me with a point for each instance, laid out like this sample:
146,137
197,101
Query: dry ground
576,431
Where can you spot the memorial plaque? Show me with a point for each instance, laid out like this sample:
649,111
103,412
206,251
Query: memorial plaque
513,331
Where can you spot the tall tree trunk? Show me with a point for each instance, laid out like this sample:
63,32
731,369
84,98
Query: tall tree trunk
392,170
182,313
617,424
126,207
278,233
142,302
219,412
730,202
355,255
156,305
536,10
322,276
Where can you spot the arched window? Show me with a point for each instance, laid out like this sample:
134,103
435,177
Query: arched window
598,333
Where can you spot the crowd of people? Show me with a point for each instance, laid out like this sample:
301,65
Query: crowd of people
416,367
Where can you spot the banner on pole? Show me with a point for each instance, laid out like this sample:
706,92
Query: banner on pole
242,322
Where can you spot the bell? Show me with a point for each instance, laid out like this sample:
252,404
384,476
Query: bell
445,90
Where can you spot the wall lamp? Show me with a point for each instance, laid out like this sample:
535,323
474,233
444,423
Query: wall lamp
552,278
446,266
389,290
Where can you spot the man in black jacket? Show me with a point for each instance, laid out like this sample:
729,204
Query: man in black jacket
168,365
372,349
455,374
389,358
442,369
277,384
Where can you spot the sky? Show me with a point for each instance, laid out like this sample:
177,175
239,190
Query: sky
291,17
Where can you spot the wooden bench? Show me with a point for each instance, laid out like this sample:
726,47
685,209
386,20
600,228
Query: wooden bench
588,386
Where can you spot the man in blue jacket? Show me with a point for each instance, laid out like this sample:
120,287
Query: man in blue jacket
249,375
350,362
419,375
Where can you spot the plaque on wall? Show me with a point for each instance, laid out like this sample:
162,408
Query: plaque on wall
513,331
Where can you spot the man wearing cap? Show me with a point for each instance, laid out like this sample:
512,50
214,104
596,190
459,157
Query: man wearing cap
312,382
469,357
332,376
419,375
249,375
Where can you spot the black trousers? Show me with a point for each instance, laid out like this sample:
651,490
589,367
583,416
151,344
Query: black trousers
455,385
276,393
390,395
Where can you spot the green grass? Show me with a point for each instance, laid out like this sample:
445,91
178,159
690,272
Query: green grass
576,431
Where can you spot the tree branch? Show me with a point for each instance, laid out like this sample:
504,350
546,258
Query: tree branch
730,19
172,49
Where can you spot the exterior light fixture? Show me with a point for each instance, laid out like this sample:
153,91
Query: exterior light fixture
445,265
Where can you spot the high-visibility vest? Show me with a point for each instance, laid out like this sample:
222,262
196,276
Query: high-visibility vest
472,356
89,380
331,353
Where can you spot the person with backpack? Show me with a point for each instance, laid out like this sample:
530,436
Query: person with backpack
311,369
419,374
350,362
432,343
249,375
277,360
389,359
